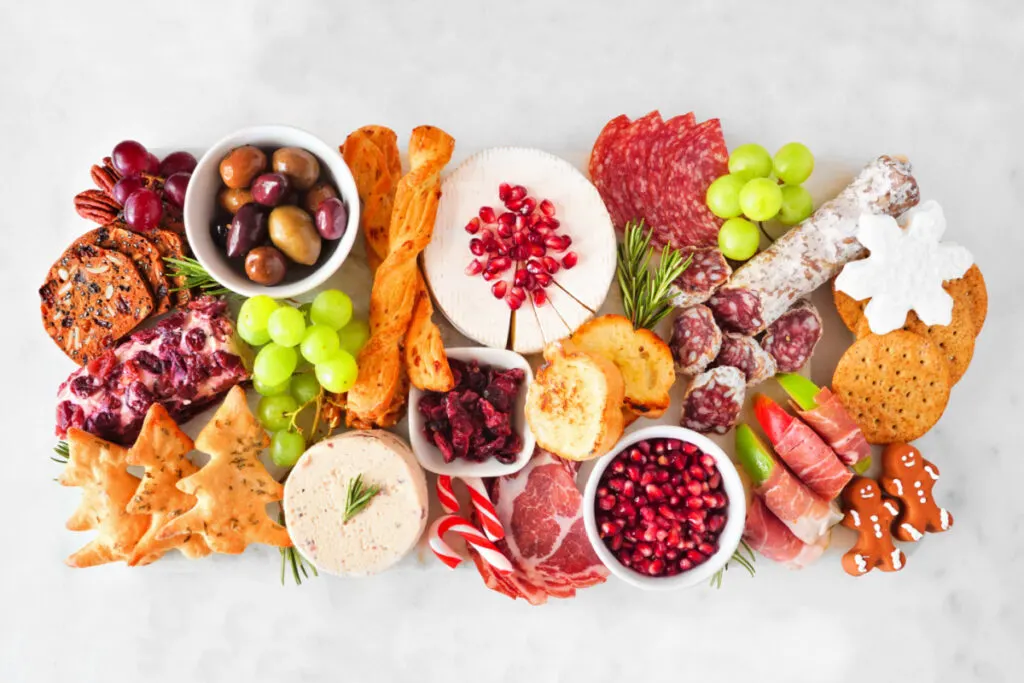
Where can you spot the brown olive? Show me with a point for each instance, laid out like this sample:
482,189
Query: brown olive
242,165
292,231
300,166
265,265
232,200
316,195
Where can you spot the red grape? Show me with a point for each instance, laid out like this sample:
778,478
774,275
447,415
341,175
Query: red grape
143,210
130,158
154,164
125,187
177,162
175,186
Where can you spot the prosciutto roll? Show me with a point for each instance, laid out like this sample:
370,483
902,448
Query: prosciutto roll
800,447
766,534
827,416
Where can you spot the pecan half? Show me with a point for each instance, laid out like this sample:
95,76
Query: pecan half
105,177
96,206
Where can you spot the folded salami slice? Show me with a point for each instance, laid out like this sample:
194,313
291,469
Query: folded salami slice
792,338
713,401
765,533
696,340
810,254
746,355
707,272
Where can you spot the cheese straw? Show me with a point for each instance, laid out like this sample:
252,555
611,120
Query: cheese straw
487,550
481,503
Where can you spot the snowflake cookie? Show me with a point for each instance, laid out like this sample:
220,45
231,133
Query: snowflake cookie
905,269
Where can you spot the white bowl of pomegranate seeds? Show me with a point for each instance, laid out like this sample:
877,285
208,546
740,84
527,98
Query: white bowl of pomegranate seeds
665,509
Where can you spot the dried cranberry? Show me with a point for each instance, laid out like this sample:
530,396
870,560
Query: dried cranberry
150,362
195,339
497,422
145,336
445,447
102,424
139,398
68,415
172,323
83,386
228,361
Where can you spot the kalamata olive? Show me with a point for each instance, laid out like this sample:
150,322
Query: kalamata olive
316,194
331,218
242,165
300,166
292,231
232,200
219,233
248,230
270,189
265,265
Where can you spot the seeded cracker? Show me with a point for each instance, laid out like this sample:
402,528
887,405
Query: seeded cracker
234,487
141,251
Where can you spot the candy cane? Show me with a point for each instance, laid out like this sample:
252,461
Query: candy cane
488,551
481,503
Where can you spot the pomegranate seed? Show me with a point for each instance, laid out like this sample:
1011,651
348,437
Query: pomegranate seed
696,556
534,266
534,238
499,264
489,275
671,444
507,218
543,279
529,204
504,190
554,242
633,472
661,476
608,528
715,482
539,297
521,223
519,238
689,448
647,513
654,492
659,549
616,542
645,549
498,289
697,472
552,223
708,463
628,488
505,231
518,253
624,510
716,523
551,265
547,208
473,226
707,549
693,488
671,555
519,278
533,221
646,478
476,246
616,484
570,260
674,538
514,205
487,214
474,267
517,193
514,303
518,293
656,567
536,250
695,502
618,467
685,565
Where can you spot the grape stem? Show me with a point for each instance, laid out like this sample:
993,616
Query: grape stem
315,434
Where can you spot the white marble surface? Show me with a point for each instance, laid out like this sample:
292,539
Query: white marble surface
941,85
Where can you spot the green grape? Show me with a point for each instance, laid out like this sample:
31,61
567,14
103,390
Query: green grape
723,196
796,205
353,336
274,364
319,343
760,199
286,326
286,448
253,318
331,307
305,308
794,163
272,411
750,161
338,373
252,336
738,239
271,389
305,387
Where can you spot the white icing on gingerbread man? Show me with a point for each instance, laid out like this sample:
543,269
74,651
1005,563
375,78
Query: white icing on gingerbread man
907,476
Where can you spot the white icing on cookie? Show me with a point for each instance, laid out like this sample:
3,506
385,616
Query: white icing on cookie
931,472
899,486
856,517
897,563
943,518
891,508
862,566
909,528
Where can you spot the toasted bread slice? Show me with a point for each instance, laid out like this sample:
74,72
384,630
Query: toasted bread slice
574,405
644,360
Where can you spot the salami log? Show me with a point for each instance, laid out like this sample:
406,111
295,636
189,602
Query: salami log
713,401
746,355
810,254
707,272
792,338
695,341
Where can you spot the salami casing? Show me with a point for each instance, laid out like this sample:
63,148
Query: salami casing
713,401
813,252
791,339
707,272
746,355
695,341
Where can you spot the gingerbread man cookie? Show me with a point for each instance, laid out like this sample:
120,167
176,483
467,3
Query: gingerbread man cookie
871,516
909,477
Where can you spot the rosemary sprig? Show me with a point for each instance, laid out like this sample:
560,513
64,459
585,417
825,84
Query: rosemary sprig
745,561
358,496
61,453
646,298
290,557
196,277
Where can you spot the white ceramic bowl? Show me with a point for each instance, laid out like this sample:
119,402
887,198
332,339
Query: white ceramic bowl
201,206
430,456
731,533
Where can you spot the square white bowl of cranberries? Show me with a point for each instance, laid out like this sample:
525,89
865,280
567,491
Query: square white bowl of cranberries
665,509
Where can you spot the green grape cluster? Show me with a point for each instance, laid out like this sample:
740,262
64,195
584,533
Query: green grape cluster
760,187
300,350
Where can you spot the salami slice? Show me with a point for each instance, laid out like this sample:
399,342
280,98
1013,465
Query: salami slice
696,340
746,355
602,166
713,401
707,272
791,339
642,134
672,131
737,309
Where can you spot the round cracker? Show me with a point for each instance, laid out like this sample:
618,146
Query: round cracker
895,385
972,287
850,310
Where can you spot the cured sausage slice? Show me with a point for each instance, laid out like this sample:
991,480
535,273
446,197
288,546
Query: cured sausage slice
637,179
746,355
602,167
737,309
792,338
696,340
672,132
706,273
713,400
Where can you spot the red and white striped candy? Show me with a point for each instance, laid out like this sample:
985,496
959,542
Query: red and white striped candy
488,551
481,503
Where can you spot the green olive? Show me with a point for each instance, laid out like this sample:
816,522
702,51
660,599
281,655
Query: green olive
242,165
293,232
300,166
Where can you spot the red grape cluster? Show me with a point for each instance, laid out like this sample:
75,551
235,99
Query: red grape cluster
147,182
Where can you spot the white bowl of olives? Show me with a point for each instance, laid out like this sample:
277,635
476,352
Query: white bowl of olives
271,210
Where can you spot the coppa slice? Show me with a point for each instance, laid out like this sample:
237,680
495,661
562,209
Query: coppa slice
823,410
91,298
766,534
141,251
